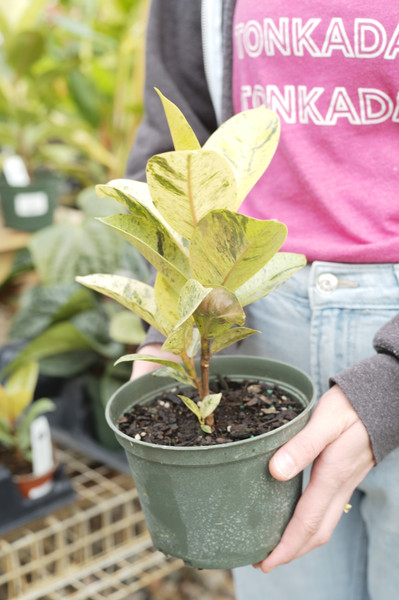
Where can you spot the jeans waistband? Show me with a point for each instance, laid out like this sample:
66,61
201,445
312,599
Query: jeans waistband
346,285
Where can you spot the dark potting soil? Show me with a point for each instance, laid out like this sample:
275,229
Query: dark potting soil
14,462
247,409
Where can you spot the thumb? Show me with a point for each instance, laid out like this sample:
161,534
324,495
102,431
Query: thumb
297,454
331,417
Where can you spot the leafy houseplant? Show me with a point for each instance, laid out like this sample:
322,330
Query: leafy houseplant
211,263
17,413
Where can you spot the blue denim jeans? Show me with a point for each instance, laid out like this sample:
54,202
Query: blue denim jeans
323,320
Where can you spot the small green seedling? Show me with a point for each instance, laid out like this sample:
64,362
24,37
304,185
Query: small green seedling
211,261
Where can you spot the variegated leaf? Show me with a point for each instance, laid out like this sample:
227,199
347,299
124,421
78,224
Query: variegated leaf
217,312
209,404
183,136
248,141
167,298
176,375
134,295
180,339
127,192
17,393
154,242
191,296
130,194
195,345
233,335
276,272
229,248
191,405
185,186
154,359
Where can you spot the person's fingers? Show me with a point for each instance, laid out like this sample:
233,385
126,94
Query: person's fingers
335,474
142,367
331,417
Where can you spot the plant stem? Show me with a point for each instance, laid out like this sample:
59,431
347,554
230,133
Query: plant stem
204,367
189,364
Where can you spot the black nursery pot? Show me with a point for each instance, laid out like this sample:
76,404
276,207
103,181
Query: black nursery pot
216,507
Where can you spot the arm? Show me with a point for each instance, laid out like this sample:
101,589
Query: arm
355,424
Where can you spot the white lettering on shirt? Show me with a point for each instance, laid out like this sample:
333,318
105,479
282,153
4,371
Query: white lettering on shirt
298,104
364,38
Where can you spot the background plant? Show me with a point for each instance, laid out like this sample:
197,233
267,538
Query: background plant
17,409
68,329
71,84
211,260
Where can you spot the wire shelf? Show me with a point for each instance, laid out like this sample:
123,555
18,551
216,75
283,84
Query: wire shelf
96,547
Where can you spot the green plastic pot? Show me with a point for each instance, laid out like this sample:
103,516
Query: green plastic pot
29,208
215,507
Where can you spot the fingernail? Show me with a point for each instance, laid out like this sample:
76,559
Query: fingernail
285,465
267,570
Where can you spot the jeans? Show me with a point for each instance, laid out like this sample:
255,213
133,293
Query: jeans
323,320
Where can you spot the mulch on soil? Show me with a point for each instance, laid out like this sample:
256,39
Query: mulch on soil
247,409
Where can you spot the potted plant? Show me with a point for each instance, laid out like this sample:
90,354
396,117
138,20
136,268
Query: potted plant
25,442
210,502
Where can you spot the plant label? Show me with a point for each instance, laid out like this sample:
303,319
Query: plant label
15,171
42,450
32,204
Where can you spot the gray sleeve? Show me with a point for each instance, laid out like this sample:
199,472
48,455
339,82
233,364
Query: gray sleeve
174,64
372,387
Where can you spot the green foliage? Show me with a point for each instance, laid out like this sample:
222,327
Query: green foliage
211,260
71,84
203,409
66,327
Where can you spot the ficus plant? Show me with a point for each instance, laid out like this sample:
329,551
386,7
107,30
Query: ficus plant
211,261
17,409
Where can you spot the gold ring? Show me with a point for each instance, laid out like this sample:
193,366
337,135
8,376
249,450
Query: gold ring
347,508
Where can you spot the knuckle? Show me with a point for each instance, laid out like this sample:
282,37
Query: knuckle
309,445
309,526
321,538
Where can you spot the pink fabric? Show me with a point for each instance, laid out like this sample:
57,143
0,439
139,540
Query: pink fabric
331,71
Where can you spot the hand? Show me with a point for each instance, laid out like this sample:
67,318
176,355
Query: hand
142,367
338,443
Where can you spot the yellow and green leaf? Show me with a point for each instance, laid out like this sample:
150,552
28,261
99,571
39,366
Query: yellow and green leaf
17,392
135,295
132,194
274,274
232,336
154,359
154,242
228,248
185,186
248,141
182,134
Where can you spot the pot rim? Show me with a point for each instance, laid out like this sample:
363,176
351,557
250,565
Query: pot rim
30,477
217,447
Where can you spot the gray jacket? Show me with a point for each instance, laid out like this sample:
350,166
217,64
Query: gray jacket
176,46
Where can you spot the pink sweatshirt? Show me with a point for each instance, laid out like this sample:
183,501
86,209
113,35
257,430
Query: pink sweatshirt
331,71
